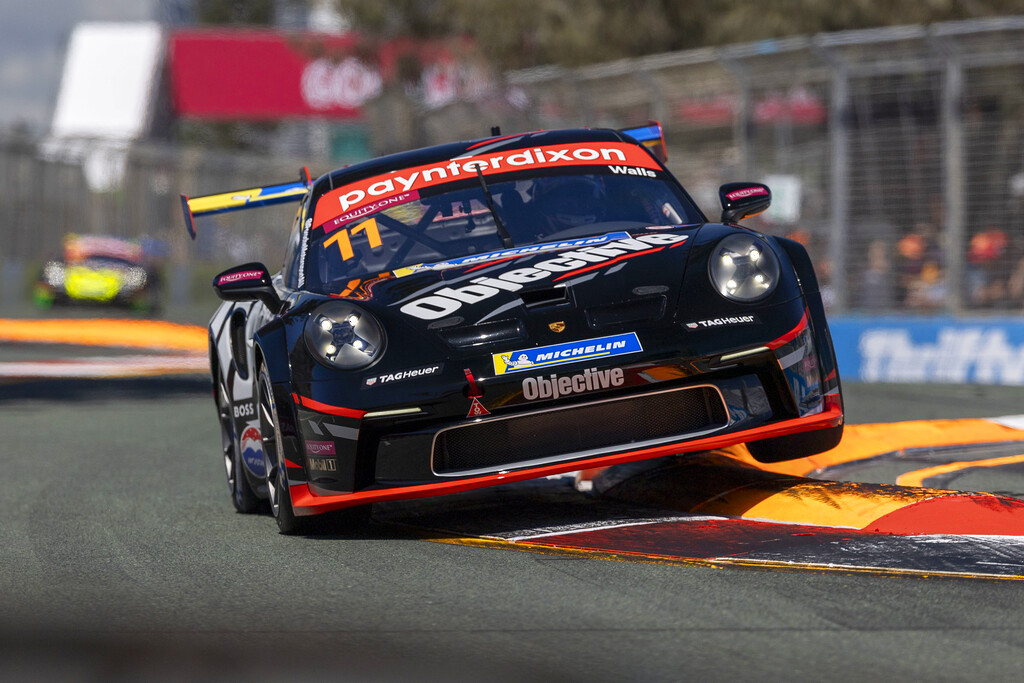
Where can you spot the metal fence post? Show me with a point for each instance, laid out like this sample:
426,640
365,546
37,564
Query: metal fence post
839,187
741,130
953,167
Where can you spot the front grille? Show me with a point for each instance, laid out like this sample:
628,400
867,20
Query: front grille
578,431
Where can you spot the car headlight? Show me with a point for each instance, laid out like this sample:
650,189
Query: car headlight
53,273
343,336
744,268
133,279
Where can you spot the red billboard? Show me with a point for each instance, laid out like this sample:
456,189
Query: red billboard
267,75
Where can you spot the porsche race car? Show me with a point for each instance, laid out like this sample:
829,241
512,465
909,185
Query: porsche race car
513,307
100,269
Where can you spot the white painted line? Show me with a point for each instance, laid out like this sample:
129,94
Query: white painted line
114,366
603,526
1011,421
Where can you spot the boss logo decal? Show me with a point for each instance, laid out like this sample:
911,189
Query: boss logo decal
244,409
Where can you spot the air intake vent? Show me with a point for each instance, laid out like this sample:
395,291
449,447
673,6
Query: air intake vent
579,431
483,333
638,310
539,298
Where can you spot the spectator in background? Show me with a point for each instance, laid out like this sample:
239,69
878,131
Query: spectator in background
988,268
875,286
909,260
928,291
913,252
1015,275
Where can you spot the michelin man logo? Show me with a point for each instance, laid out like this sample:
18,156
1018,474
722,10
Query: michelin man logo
522,361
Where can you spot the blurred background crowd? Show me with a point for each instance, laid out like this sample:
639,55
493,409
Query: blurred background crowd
892,136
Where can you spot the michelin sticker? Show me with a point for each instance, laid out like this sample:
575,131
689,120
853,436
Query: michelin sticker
511,253
569,352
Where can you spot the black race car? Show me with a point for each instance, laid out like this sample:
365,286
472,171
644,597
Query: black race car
513,307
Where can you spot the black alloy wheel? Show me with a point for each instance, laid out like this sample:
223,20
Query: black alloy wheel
277,477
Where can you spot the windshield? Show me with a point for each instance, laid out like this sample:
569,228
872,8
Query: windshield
474,216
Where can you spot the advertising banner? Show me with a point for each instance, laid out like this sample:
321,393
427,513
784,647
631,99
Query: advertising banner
941,350
265,75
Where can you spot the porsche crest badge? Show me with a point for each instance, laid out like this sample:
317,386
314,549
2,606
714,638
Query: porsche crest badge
557,327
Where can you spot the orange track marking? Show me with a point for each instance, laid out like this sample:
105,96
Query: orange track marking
916,477
149,334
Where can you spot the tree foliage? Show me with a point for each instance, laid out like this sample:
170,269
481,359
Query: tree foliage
234,12
515,34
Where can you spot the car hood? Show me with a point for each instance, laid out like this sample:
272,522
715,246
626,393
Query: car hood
595,283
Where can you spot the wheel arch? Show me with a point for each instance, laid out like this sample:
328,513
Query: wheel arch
270,348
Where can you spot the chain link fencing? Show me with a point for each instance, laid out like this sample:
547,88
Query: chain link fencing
896,155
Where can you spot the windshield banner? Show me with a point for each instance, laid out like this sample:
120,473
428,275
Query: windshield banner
355,196
511,253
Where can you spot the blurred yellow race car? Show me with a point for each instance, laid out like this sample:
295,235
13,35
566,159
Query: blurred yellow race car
98,269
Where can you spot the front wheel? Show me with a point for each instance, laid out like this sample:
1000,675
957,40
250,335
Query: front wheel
277,477
273,452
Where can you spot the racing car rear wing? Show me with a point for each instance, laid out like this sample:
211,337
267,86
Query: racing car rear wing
242,199
652,137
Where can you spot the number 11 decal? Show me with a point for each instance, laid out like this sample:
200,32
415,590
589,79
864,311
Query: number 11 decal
343,238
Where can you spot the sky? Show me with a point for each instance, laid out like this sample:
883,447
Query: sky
33,38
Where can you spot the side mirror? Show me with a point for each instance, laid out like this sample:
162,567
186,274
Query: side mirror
246,283
742,200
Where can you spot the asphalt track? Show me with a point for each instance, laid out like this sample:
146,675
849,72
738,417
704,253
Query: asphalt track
122,559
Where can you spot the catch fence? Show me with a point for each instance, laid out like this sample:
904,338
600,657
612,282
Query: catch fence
895,154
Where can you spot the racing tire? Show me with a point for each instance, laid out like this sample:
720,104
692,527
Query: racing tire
289,524
243,496
794,446
273,454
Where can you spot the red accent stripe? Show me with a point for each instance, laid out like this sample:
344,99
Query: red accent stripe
605,264
308,503
500,260
289,463
791,335
326,408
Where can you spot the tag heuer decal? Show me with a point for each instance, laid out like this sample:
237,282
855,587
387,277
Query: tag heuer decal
391,377
718,322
